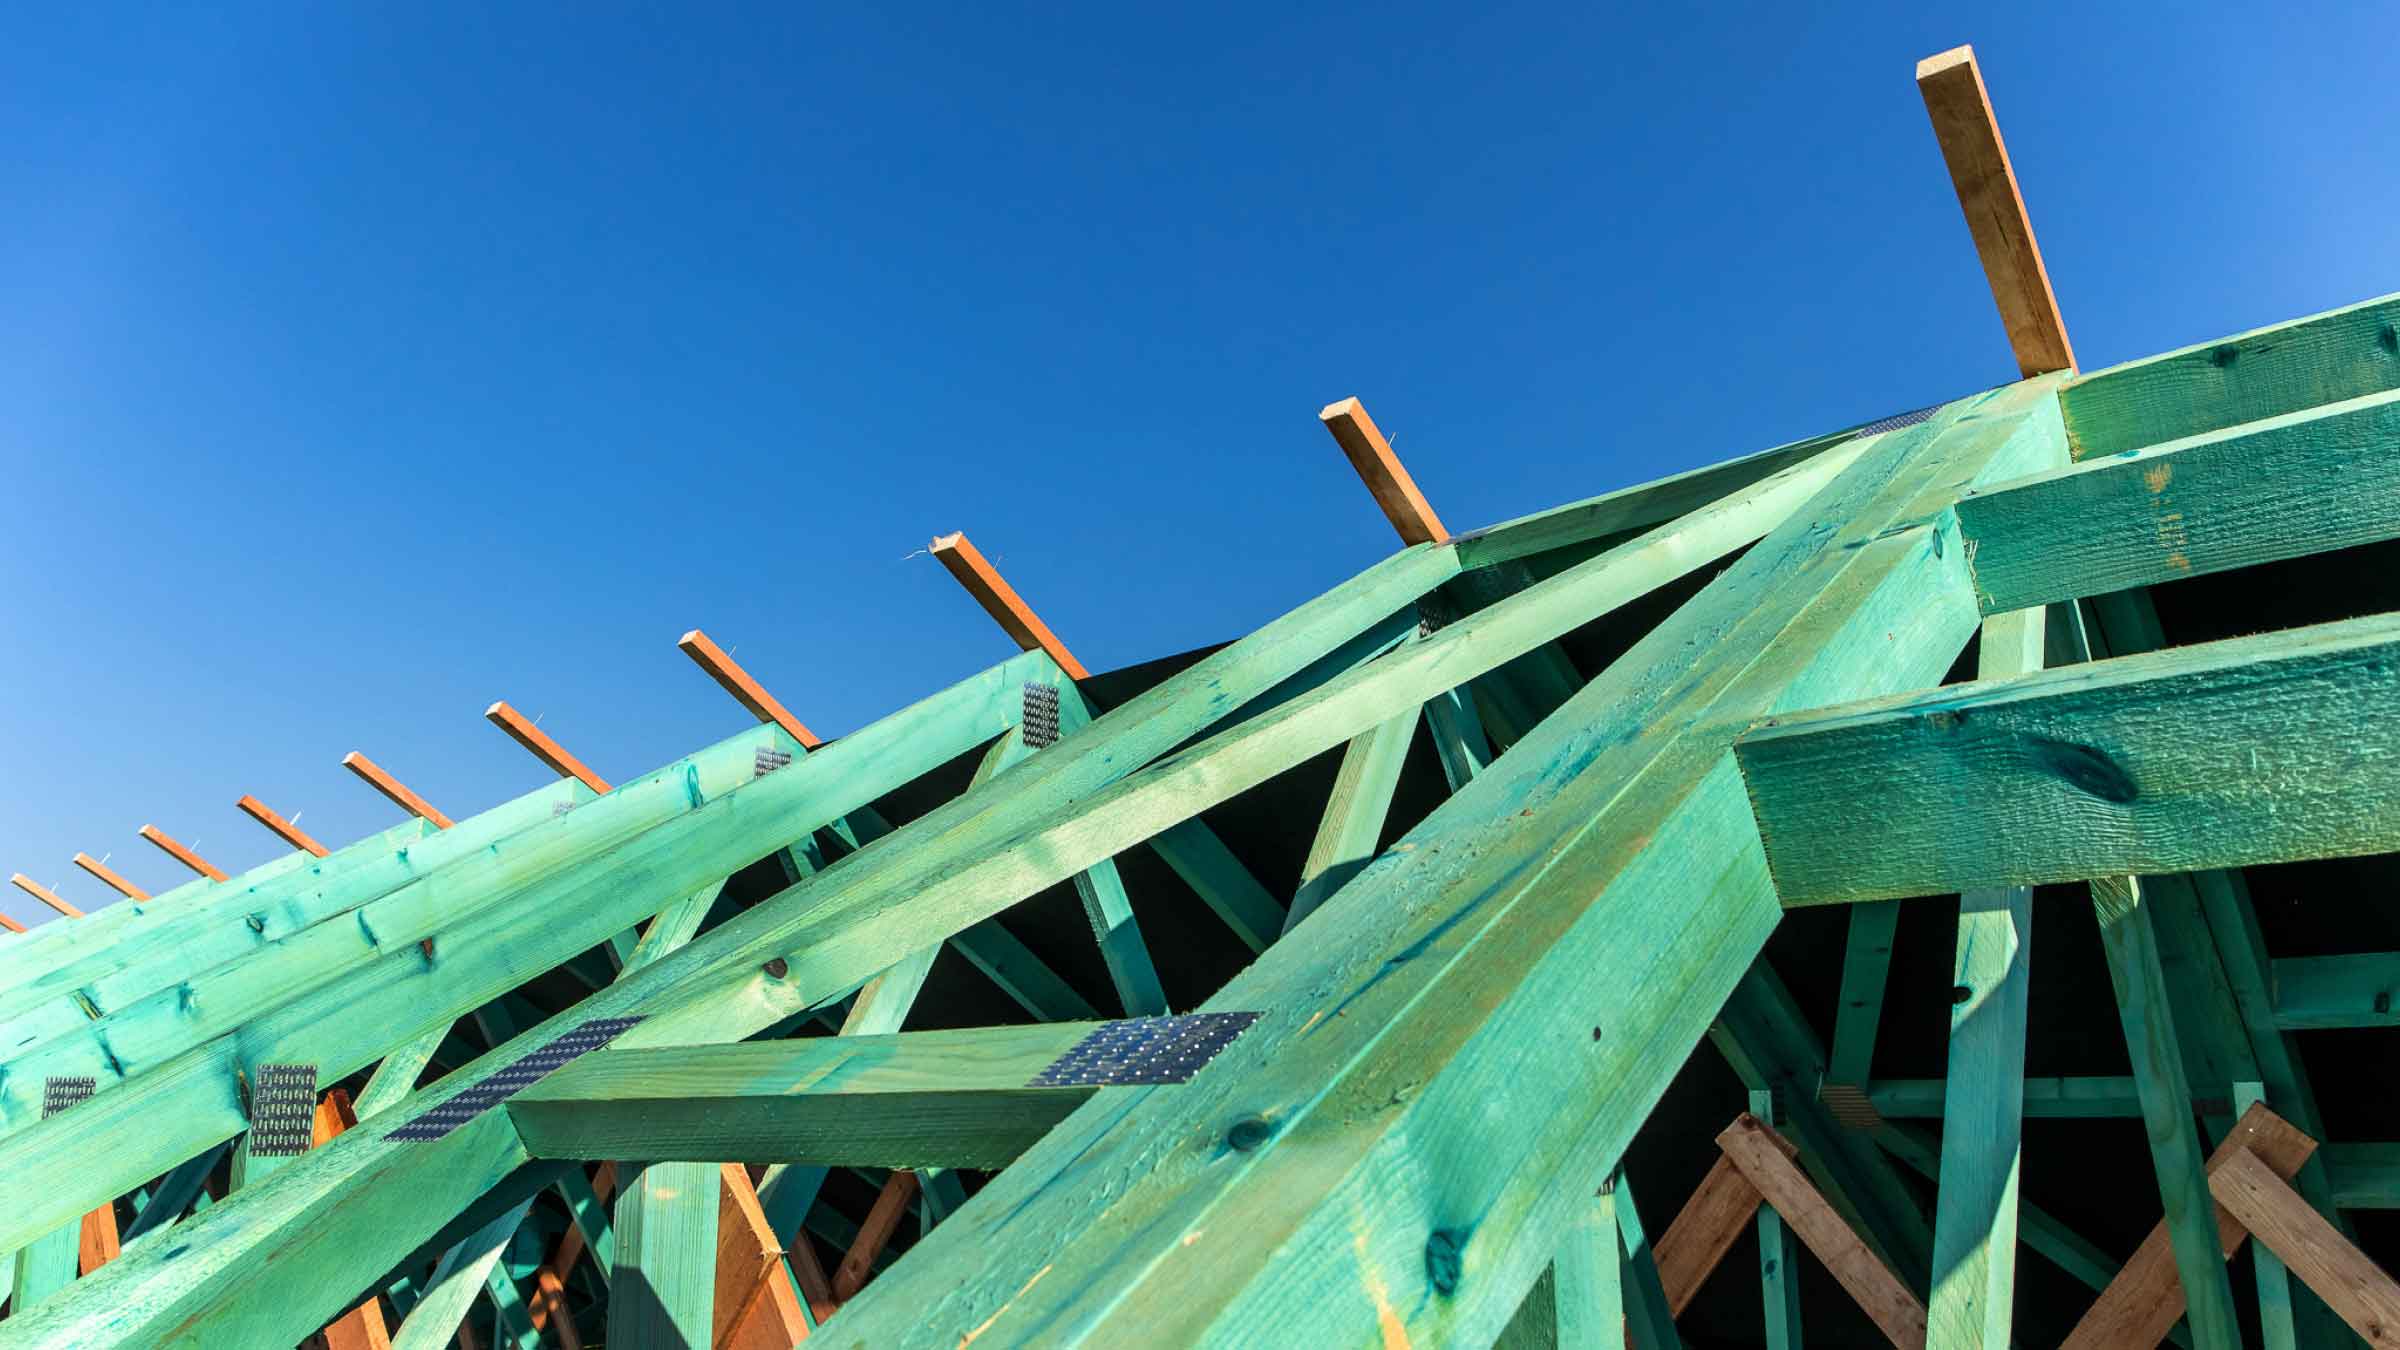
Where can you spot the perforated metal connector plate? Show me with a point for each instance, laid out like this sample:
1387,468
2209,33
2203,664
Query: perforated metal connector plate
1041,716
1145,1050
283,1110
441,1119
1899,420
64,1091
768,760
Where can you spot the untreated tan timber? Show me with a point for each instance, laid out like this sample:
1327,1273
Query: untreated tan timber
1002,602
181,854
1961,111
883,1219
2145,1300
96,1245
361,1328
391,787
1880,1294
1706,1228
545,749
1383,473
756,1307
109,878
11,924
549,1298
257,810
43,893
746,691
2353,1286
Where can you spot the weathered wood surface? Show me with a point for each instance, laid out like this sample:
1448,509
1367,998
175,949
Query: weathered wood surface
1879,1293
2306,482
2324,358
1988,195
1710,1222
2259,749
2312,1248
921,1099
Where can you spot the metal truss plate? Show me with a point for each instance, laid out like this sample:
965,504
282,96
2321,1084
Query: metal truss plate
283,1110
768,760
1145,1050
441,1119
1041,716
59,1093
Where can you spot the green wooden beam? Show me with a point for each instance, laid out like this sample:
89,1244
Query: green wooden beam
1975,1220
1221,881
1778,1257
2306,482
2045,1098
664,1285
2365,1176
1588,1288
2274,1283
458,1279
2357,990
1649,1324
1106,906
1387,1044
1351,827
2324,358
918,1099
1866,967
2259,749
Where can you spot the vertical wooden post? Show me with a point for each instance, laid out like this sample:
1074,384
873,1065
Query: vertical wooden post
2274,1282
662,1292
182,854
1589,1275
1961,110
1778,1274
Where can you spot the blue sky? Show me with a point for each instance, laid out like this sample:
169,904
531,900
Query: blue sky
358,369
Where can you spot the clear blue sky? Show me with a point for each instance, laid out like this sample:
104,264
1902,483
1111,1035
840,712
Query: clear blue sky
359,369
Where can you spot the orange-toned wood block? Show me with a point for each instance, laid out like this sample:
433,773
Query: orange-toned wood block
545,749
42,893
182,854
114,882
391,787
290,833
1383,473
1986,183
883,1219
1002,602
746,691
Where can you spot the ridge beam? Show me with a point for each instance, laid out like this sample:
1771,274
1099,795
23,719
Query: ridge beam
545,749
114,882
290,833
1961,112
380,780
1001,601
182,854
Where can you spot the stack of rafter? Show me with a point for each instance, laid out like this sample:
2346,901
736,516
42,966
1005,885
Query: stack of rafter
568,1059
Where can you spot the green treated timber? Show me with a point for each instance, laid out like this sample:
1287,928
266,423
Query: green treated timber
2355,990
1778,1256
2324,358
2224,754
1106,906
1429,996
512,1321
44,1266
2306,482
2274,1282
1458,737
2090,1098
51,945
316,1222
1866,967
1352,824
457,1280
2364,1176
663,1289
182,1106
1975,1221
918,1099
1201,859
1589,1285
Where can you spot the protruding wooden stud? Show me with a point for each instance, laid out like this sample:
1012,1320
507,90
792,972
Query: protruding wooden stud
1002,602
114,882
546,750
1955,99
746,691
182,854
1383,473
391,787
291,834
42,893
11,924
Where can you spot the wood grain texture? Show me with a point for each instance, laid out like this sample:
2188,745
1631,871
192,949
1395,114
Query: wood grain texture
919,1099
746,691
1961,112
1352,824
542,746
1879,1293
2260,749
662,1291
2275,1328
757,1307
2324,358
284,829
2306,482
168,845
377,778
2359,989
1383,473
972,570
44,894
883,1220
109,878
2364,1296
2145,1300
1710,1222
1588,1292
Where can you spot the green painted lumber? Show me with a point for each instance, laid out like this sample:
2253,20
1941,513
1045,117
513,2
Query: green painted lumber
2306,482
1649,1325
2356,990
1221,881
2045,1098
512,1321
174,1194
2176,1151
1866,967
2259,749
1588,1277
320,1219
1778,1257
1020,974
1975,1220
1351,827
917,1099
2274,1282
1106,906
458,1278
1458,736
2324,358
665,1282
1591,867
2365,1176
43,1267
